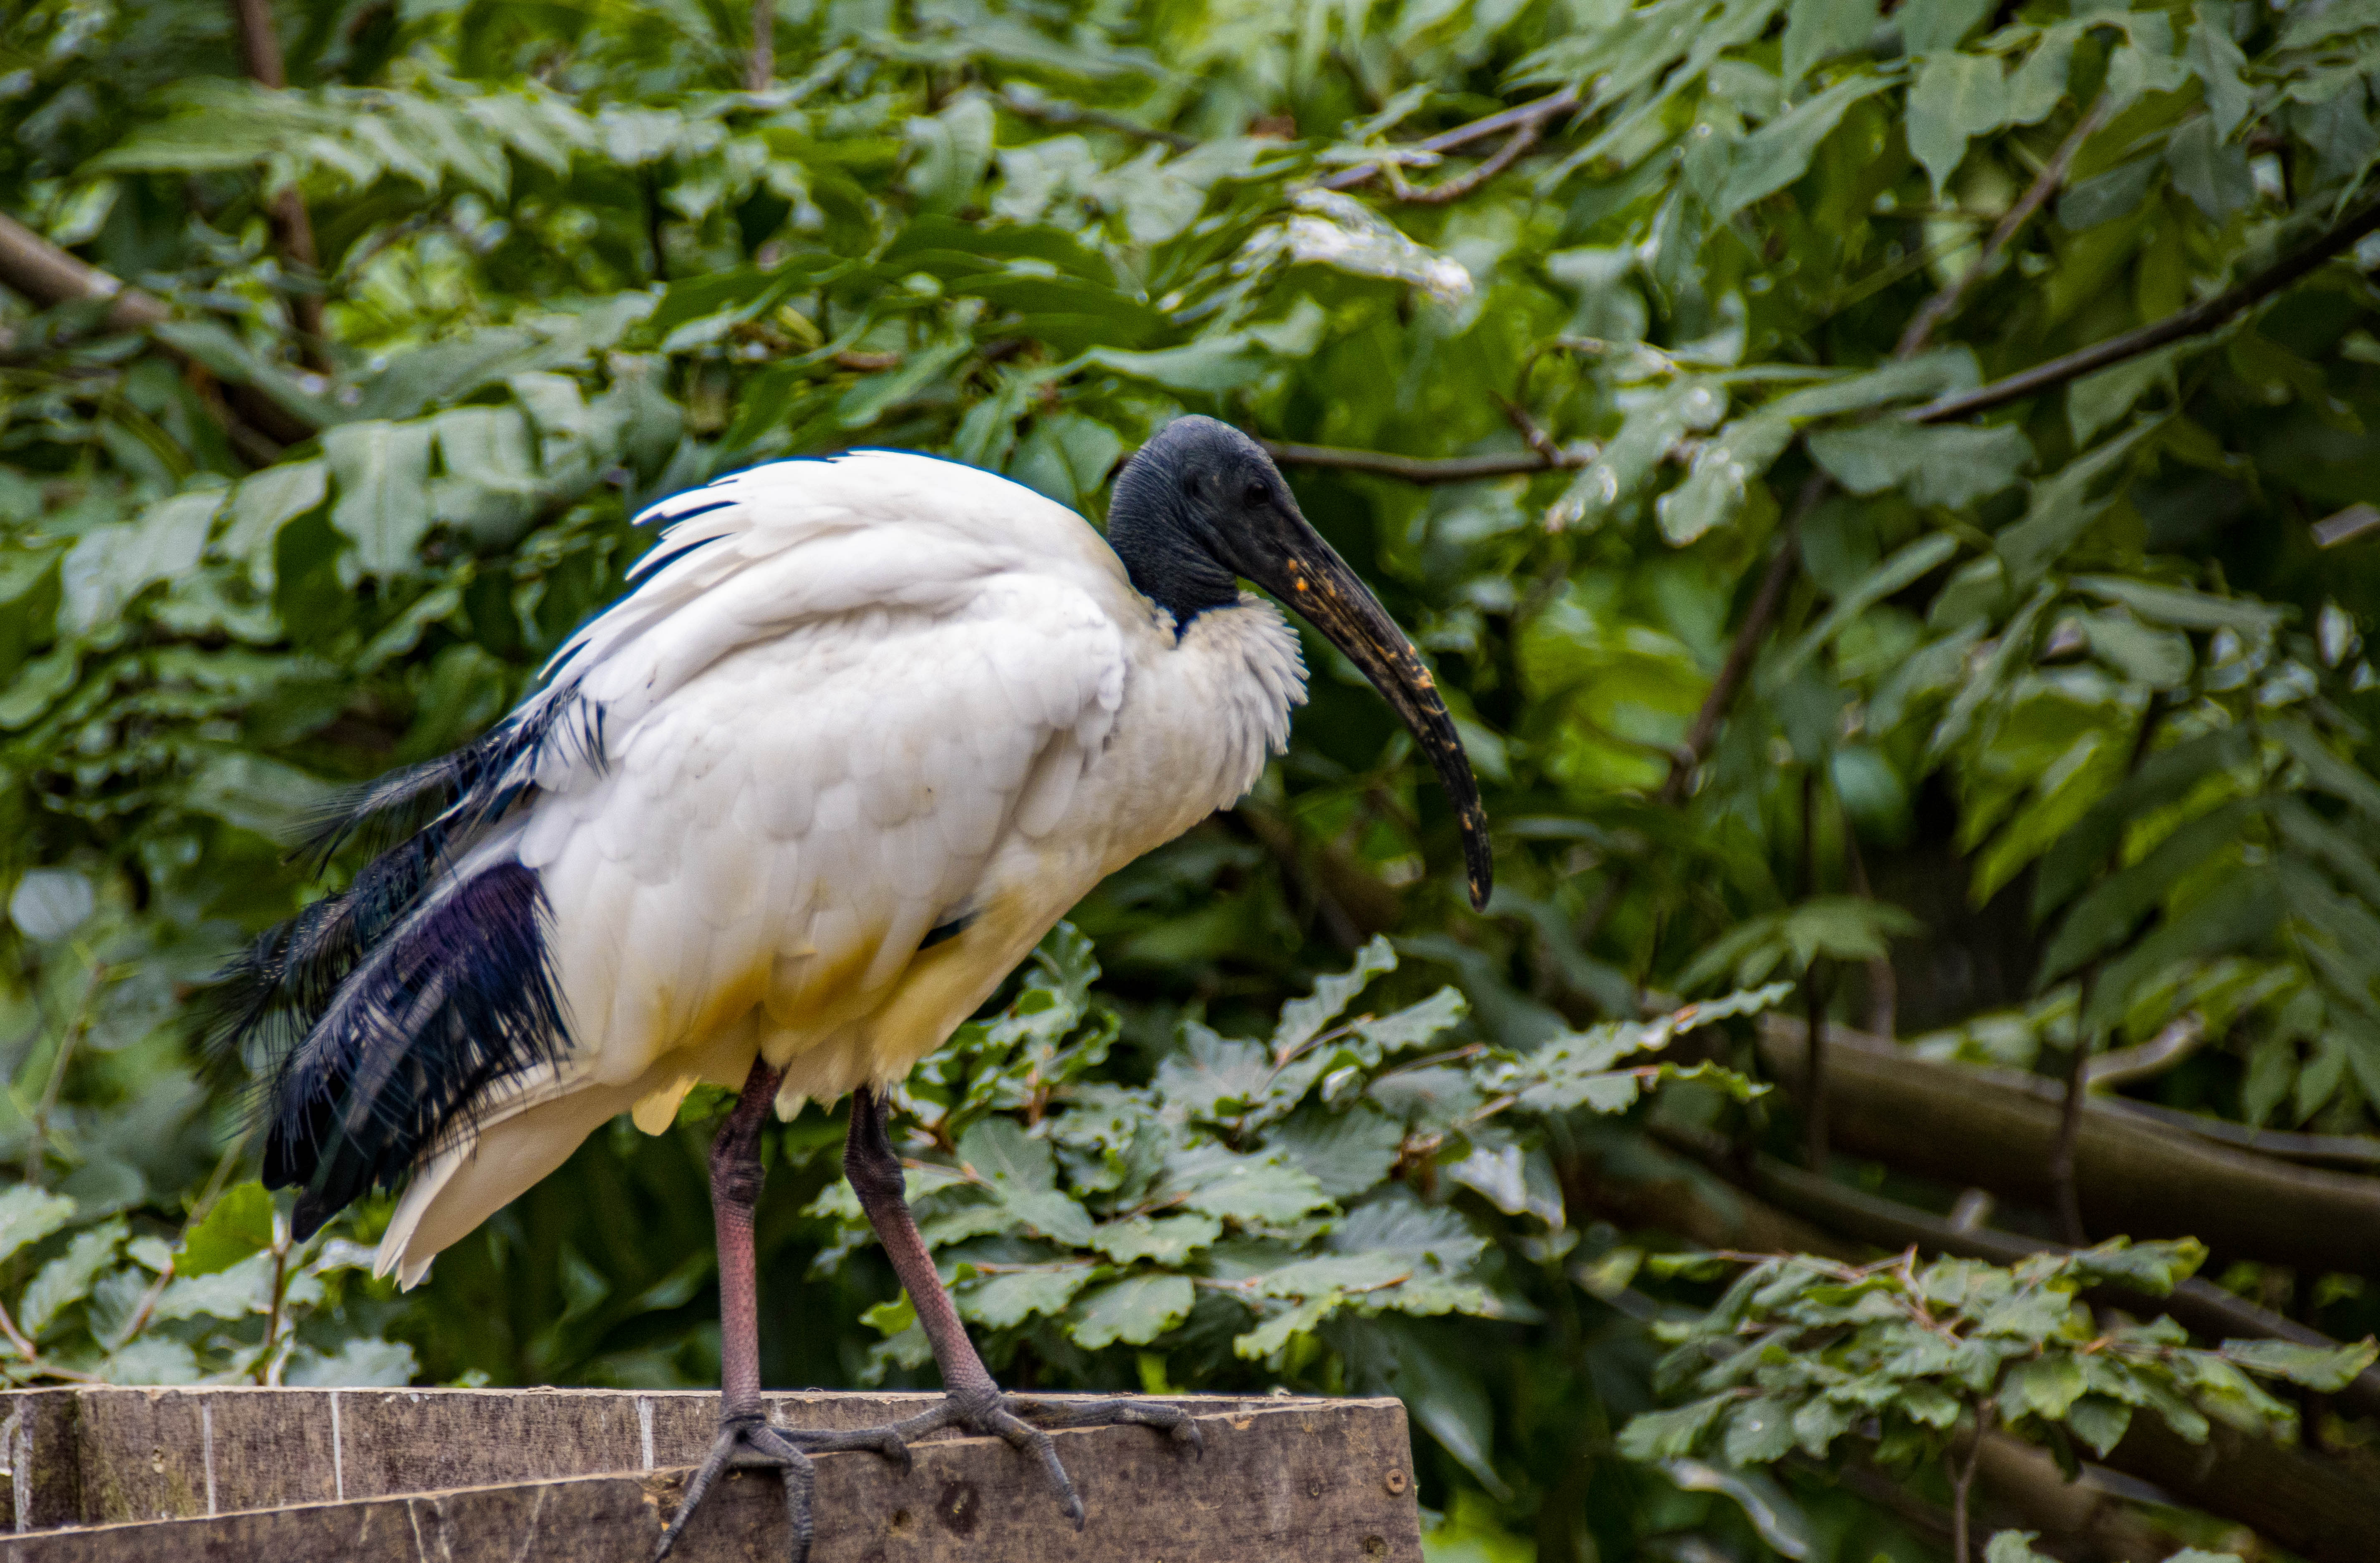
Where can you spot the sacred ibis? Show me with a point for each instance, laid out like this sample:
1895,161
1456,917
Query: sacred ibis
862,728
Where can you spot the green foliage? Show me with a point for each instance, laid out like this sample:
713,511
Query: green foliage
2061,716
1256,1189
236,1302
1914,1358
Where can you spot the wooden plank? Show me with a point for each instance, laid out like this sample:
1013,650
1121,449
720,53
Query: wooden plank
1290,1478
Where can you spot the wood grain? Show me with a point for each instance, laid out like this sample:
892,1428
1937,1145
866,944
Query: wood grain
299,1475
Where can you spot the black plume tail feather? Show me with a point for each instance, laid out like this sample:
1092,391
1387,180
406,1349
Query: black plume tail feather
373,1016
461,995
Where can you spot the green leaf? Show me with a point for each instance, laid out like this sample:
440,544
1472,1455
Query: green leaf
2324,1369
2217,62
2013,1546
2212,172
1669,1435
1133,1312
1004,1302
1759,1430
1817,29
1168,1239
1952,466
1904,569
1956,97
2046,1386
2103,198
1779,152
2182,609
1302,1020
1928,25
1722,476
383,474
28,1215
239,1224
1265,1190
2062,509
2112,909
2099,1421
66,1279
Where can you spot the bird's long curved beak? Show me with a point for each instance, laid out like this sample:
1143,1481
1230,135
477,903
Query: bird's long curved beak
1319,584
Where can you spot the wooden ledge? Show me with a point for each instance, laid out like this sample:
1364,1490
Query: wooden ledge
477,1475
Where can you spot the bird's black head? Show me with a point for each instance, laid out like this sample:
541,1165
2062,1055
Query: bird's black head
1201,505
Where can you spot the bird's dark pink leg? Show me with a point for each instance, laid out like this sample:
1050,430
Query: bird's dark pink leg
972,1400
747,1439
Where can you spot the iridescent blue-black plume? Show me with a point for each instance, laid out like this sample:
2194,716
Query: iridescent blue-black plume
372,1016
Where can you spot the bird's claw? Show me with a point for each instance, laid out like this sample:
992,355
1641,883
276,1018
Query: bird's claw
749,1441
1012,1419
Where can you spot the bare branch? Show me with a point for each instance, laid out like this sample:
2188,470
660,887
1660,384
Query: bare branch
1944,304
2195,321
1462,184
1529,119
292,230
1424,469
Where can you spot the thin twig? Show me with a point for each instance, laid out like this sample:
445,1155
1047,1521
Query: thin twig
2053,173
2193,321
292,230
1766,603
1515,147
1528,118
1423,469
1045,111
760,66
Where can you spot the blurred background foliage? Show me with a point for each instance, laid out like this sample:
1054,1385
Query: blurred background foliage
2019,739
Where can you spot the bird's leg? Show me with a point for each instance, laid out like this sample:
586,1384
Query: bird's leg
972,1400
747,1439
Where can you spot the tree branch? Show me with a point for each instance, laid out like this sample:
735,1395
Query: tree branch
1528,120
1944,304
1423,470
2193,321
1994,1128
50,278
1046,110
292,229
760,66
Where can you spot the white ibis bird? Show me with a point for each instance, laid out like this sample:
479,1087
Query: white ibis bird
861,731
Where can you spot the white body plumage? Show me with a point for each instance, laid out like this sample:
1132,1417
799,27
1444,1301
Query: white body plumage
855,700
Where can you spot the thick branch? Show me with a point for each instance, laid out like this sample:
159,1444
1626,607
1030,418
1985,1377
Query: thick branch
51,277
1994,1130
1944,304
32,265
2195,321
1528,118
1423,470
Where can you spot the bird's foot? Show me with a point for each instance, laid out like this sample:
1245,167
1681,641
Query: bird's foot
1019,1421
749,1441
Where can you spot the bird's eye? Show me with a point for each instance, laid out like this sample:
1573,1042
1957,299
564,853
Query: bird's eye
1190,485
1258,494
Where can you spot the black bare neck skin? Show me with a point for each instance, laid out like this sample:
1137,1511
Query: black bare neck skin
1151,527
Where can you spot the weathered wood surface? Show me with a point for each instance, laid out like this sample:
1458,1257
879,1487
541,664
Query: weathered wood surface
300,1475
